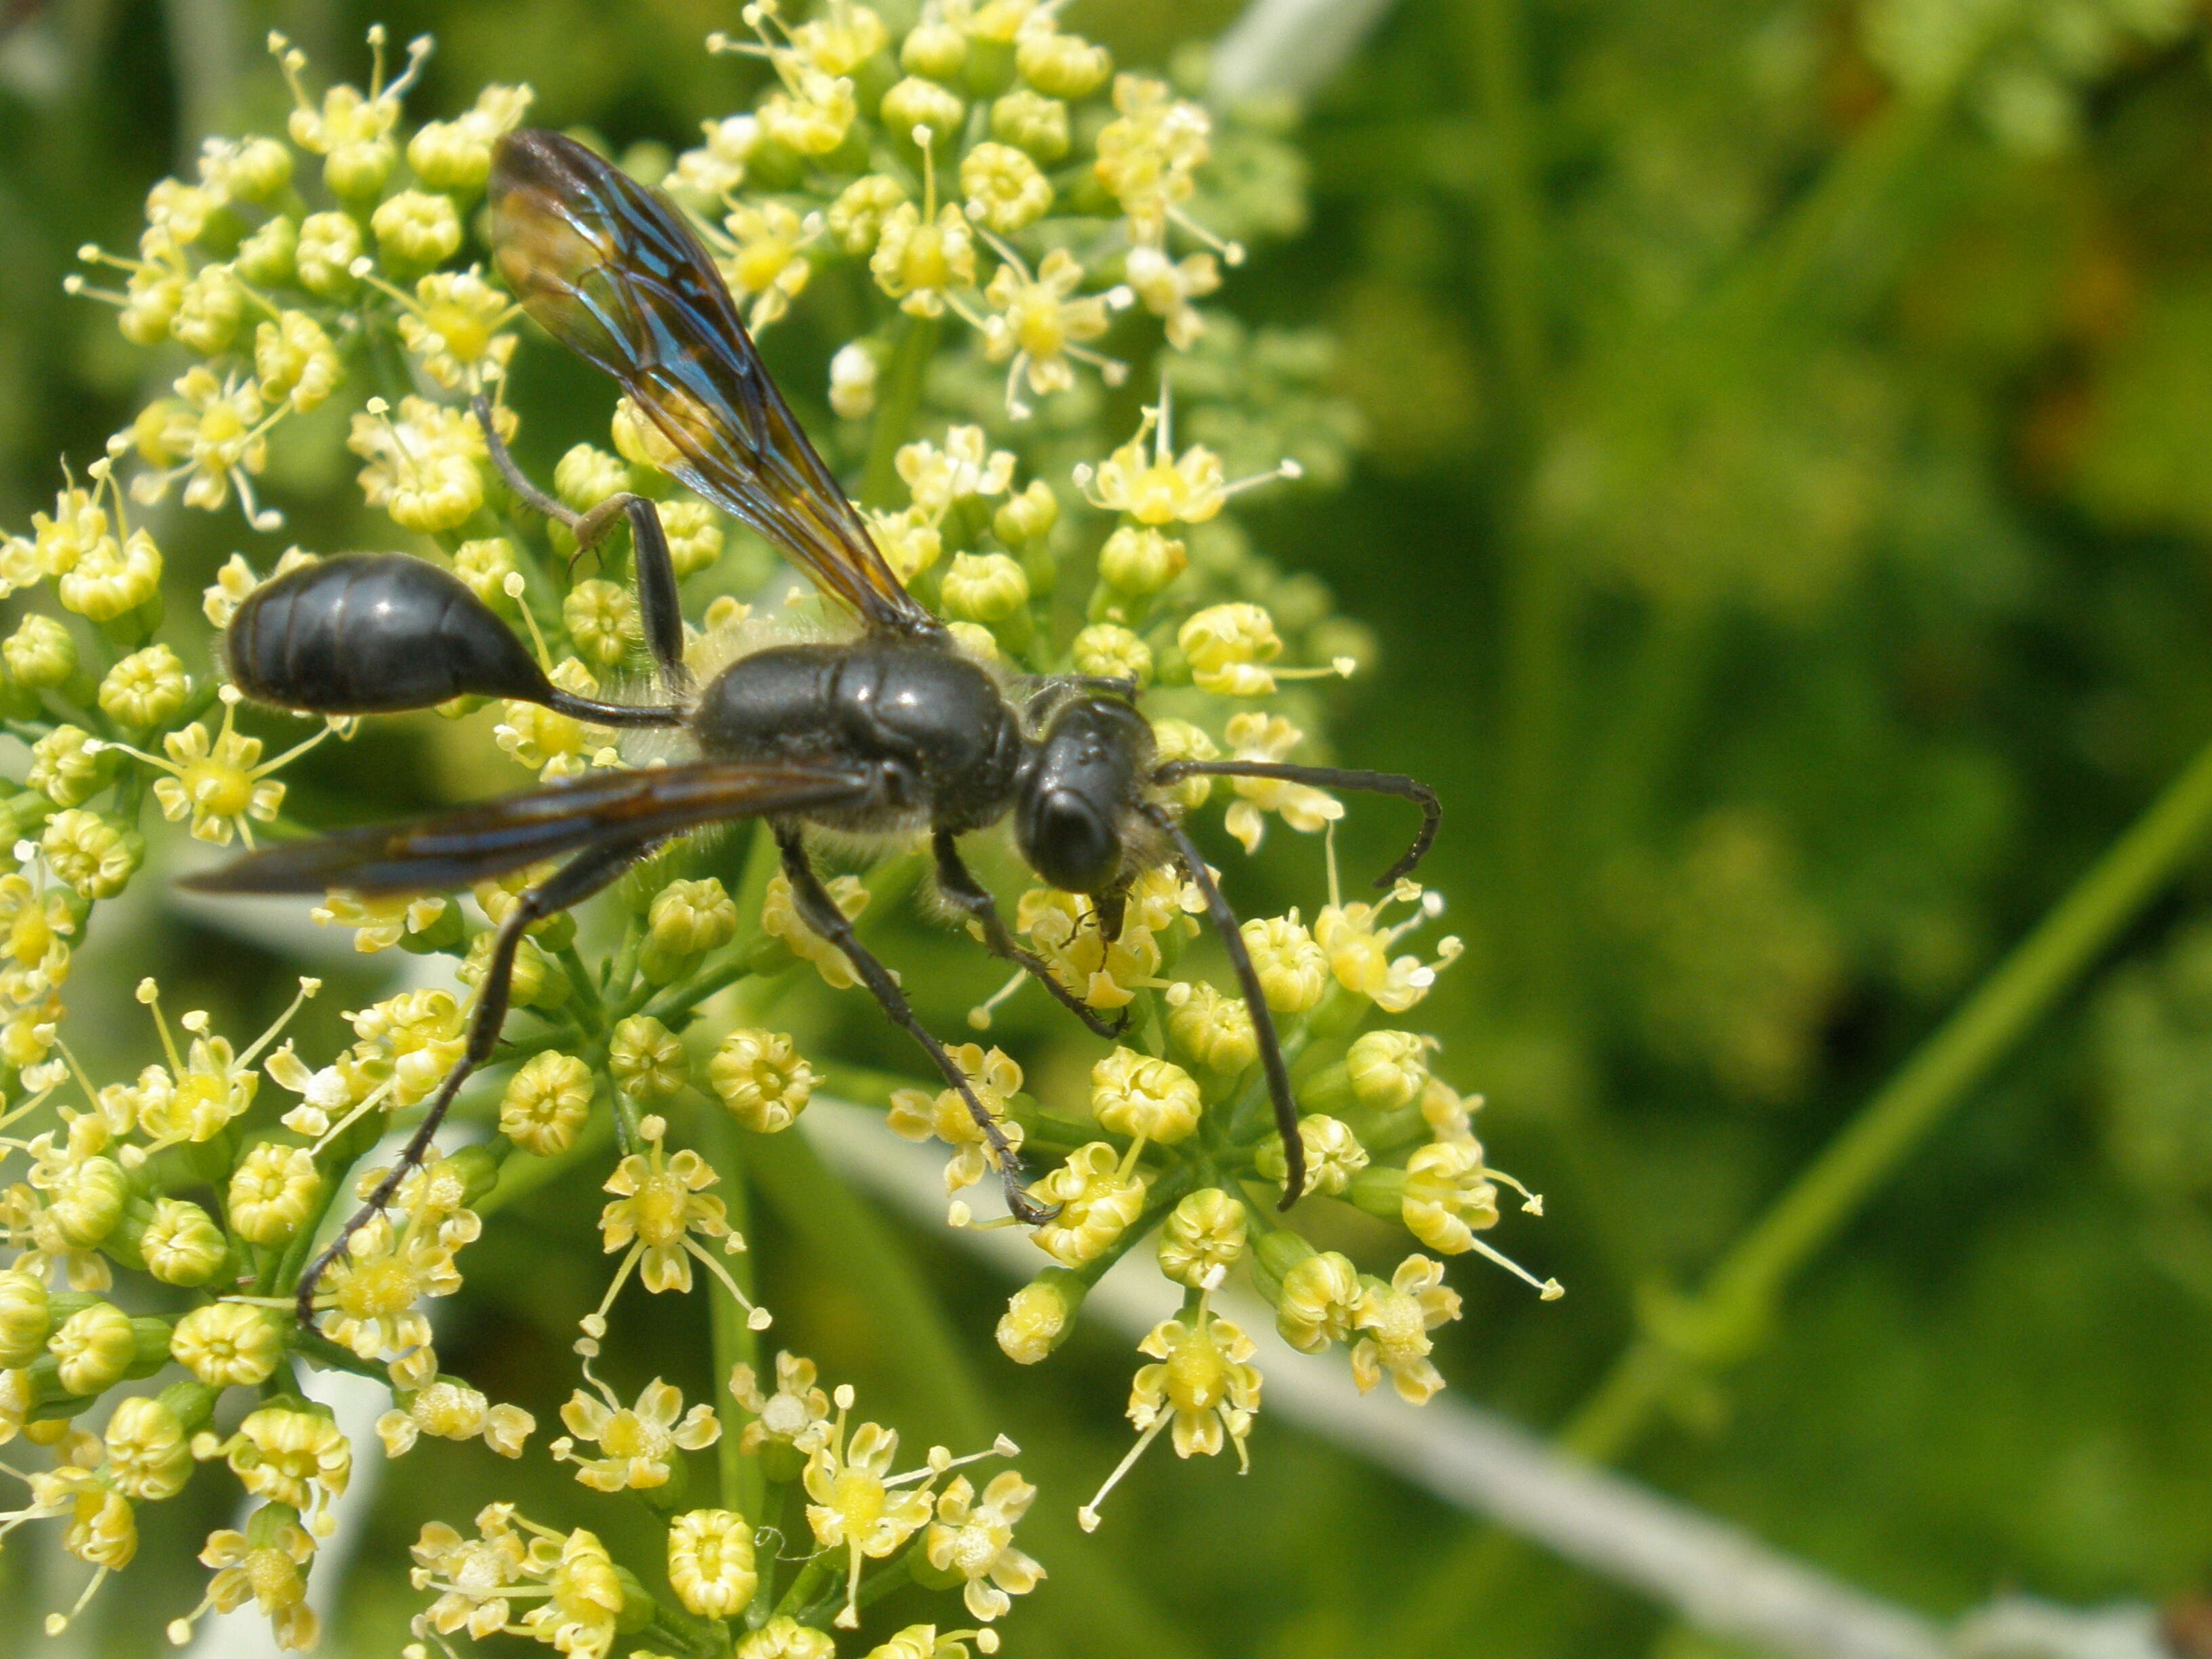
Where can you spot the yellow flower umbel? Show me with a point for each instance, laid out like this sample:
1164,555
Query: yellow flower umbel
1201,1386
640,1442
219,783
660,1205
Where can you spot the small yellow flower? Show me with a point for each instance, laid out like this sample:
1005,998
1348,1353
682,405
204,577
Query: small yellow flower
292,1454
149,1456
916,1116
94,858
456,154
1387,1069
423,467
262,1566
1269,738
710,1563
974,1538
146,688
640,1442
1147,157
452,1411
1215,1030
812,115
1333,1154
555,746
1036,325
1040,1315
219,781
452,326
1098,1201
1005,189
1394,1321
797,1414
787,1638
661,1202
1167,287
417,228
917,260
67,766
1229,646
474,1576
856,1506
1359,949
382,922
369,1293
580,1614
1202,1388
769,266
296,361
182,1245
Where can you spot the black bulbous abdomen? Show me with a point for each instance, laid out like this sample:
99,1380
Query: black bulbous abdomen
373,633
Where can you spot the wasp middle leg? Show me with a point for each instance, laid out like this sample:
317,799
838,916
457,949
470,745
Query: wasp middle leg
958,884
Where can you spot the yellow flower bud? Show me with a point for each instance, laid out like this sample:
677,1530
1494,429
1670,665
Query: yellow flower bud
856,217
1387,1069
85,1202
1215,1030
1061,65
110,579
761,1078
1040,1315
92,856
984,587
1097,1204
95,1347
1138,561
710,1563
1032,122
296,361
690,918
586,476
328,245
147,689
209,310
254,169
358,172
266,257
1449,1197
647,1059
67,768
26,1318
915,102
1228,646
546,1103
695,535
1333,1154
1203,1238
1111,652
1320,1299
1028,515
602,618
273,1191
1003,188
484,567
149,1456
1293,970
40,653
1133,1094
182,1245
933,48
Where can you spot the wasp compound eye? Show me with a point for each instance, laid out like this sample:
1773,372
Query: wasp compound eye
1069,841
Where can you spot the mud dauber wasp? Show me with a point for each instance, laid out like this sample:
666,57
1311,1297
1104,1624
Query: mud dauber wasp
892,731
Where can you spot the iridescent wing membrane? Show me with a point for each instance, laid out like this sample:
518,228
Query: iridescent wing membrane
478,843
610,269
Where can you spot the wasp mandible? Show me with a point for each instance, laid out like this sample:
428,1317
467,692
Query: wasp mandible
892,731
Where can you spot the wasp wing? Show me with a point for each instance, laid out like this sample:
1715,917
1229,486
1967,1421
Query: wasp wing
478,843
610,269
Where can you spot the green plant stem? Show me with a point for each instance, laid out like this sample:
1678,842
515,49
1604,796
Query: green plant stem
1725,1320
898,399
735,1343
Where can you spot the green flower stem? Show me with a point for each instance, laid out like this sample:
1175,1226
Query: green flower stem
586,993
1726,1320
735,1343
898,399
854,1242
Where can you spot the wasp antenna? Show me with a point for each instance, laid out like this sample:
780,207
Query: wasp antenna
1255,1001
1330,777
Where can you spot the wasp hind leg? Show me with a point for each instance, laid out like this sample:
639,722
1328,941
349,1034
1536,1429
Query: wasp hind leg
660,607
572,884
820,913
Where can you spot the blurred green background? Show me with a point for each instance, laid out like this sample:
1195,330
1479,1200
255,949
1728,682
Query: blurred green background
1786,515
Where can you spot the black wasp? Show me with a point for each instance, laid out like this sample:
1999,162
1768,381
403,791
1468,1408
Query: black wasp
890,732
